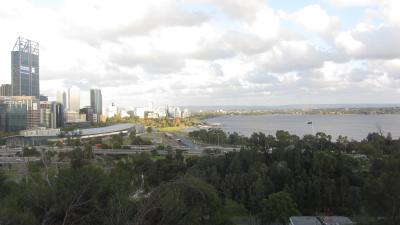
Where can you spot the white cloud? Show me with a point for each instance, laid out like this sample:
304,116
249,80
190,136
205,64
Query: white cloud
237,9
390,11
265,25
206,51
386,9
292,56
315,19
375,42
346,41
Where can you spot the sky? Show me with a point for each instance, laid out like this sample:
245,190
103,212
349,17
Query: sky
211,52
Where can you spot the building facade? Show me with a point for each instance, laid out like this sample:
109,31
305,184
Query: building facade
89,113
5,90
96,101
73,99
61,97
25,68
44,98
19,113
51,114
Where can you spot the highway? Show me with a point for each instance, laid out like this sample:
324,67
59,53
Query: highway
132,152
17,160
9,155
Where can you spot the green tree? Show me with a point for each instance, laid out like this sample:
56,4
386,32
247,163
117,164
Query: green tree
187,200
117,140
149,129
382,194
80,158
132,135
278,207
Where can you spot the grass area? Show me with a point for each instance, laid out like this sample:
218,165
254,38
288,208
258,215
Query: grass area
171,129
157,157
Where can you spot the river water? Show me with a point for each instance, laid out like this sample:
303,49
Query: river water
354,127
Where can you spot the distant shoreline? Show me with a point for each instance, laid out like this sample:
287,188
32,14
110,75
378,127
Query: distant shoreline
338,111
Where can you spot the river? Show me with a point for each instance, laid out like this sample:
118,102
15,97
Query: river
354,127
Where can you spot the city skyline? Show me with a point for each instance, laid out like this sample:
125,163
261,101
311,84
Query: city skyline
202,52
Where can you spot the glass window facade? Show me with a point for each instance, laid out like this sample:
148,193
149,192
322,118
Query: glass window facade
96,101
13,117
25,68
19,113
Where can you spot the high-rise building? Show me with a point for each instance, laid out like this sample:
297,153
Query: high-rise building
19,113
61,97
45,114
73,99
89,114
51,114
96,101
58,119
25,68
12,117
5,90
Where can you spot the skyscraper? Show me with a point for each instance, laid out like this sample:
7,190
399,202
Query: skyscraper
51,114
61,97
25,68
96,101
74,99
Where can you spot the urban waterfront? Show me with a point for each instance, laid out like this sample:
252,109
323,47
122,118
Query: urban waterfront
354,127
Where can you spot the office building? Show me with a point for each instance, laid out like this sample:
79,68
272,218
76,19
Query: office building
25,68
89,114
12,117
45,114
73,99
51,114
58,119
19,113
61,97
72,117
5,90
43,98
96,101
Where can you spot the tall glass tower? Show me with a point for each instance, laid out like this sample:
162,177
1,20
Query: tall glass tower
25,68
74,99
96,101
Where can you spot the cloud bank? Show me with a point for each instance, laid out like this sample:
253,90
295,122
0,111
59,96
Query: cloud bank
212,52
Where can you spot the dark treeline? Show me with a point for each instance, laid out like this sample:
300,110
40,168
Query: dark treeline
270,178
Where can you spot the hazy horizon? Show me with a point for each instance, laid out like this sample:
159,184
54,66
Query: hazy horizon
294,106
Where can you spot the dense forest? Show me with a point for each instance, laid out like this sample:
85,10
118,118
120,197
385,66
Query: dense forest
268,178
